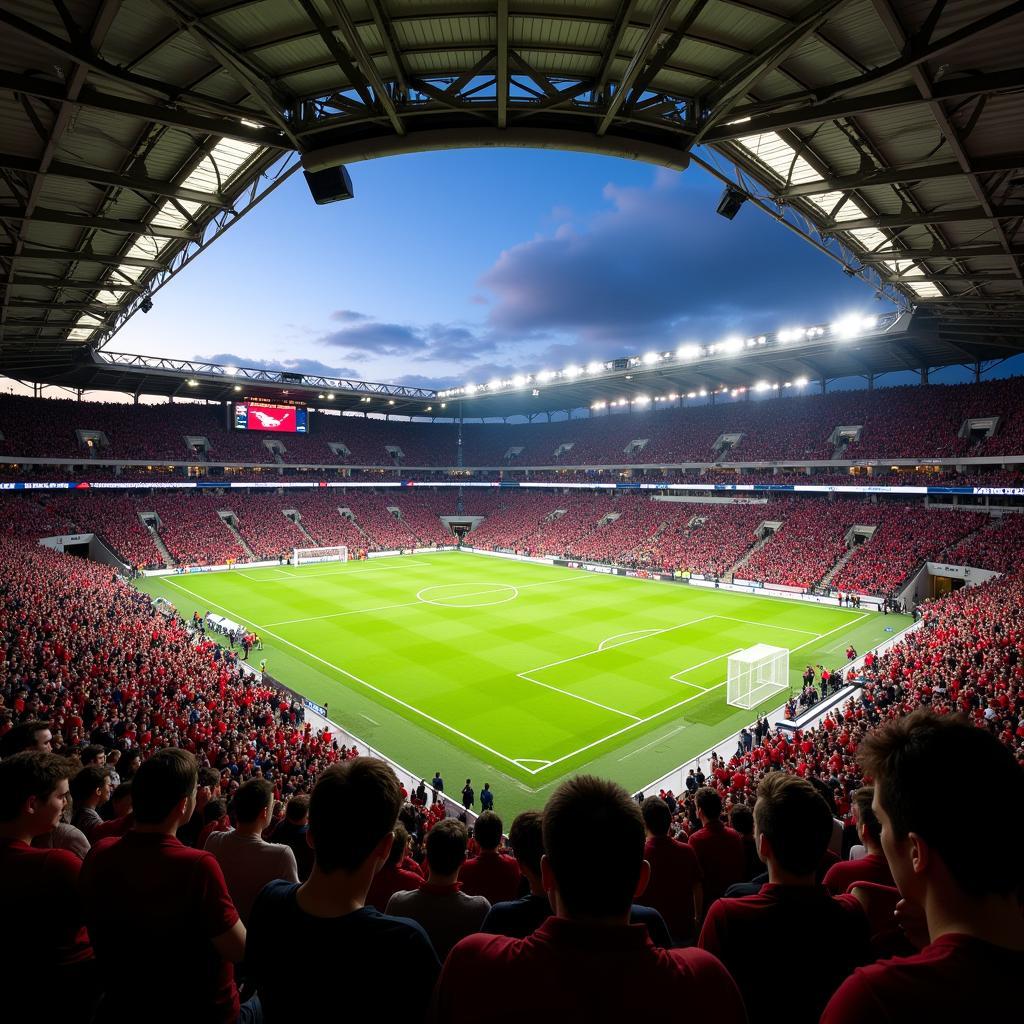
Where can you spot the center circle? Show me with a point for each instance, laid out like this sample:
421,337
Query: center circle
468,595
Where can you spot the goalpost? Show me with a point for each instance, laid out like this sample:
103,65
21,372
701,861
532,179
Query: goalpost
756,674
303,556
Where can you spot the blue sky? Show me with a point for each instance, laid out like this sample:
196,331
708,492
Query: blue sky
453,267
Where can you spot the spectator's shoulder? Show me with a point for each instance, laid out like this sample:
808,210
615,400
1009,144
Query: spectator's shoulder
860,997
481,946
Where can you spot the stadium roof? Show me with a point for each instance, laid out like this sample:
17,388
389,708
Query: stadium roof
887,132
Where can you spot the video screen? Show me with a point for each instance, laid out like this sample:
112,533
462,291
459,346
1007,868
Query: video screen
275,419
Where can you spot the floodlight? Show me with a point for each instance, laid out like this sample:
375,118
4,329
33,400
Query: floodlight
146,304
238,387
518,381
330,397
494,385
688,352
790,334
650,358
641,399
801,382
231,370
762,385
595,367
703,393
193,383
731,345
691,394
572,371
545,375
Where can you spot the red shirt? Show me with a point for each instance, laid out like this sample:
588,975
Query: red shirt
956,977
675,873
756,937
722,858
872,868
491,875
568,971
152,905
389,880
113,828
44,926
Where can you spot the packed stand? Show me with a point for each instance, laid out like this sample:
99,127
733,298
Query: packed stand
999,547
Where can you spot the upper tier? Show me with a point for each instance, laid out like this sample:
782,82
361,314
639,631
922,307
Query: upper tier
927,422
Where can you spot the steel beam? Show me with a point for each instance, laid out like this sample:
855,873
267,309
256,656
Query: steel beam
124,227
166,114
636,64
99,176
501,62
78,256
912,218
815,113
903,175
953,252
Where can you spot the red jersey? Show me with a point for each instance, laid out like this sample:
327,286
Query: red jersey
956,977
492,875
152,905
844,873
722,858
675,873
568,971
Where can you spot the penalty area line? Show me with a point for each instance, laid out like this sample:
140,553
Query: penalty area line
356,679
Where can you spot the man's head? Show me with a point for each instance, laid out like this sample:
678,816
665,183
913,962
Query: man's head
121,799
297,809
253,802
527,839
164,788
582,813
208,786
741,818
399,844
33,790
94,753
446,848
487,831
91,786
792,825
709,804
657,817
34,735
917,799
869,828
352,815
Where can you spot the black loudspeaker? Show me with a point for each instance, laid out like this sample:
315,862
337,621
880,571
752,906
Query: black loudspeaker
730,203
330,185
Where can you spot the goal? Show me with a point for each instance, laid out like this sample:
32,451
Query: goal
302,556
756,674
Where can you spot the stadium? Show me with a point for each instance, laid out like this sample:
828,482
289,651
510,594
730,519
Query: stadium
723,626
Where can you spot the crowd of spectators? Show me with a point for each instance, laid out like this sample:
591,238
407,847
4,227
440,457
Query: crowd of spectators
178,747
897,422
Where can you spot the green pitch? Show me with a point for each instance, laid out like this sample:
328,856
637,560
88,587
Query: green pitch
516,673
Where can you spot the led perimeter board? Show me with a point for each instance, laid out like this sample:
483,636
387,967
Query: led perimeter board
270,417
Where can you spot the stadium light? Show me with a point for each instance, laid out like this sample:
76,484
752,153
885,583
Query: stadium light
238,387
801,382
790,334
231,370
703,393
851,326
391,401
691,394
762,385
688,352
193,383
444,405
731,346
572,372
650,358
330,397
519,381
494,385
642,399
545,375
595,367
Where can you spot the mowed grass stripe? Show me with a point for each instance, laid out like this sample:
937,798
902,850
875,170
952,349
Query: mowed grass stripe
456,670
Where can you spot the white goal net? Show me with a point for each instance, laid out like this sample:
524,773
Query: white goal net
756,674
303,556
